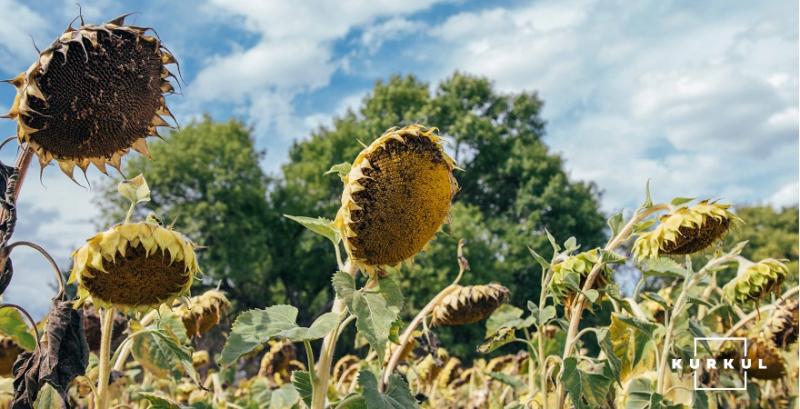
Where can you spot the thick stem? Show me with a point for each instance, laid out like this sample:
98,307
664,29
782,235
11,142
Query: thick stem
106,328
323,369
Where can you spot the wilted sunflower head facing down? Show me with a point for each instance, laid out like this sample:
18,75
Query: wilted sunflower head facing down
96,92
784,324
685,230
203,312
470,304
396,197
754,281
134,267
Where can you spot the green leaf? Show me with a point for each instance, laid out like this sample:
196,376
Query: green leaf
616,222
254,327
631,341
506,315
284,397
135,190
539,259
662,267
506,379
648,200
160,353
344,285
13,325
553,242
375,312
698,332
699,400
591,295
643,226
352,401
607,346
48,398
571,245
302,382
159,401
499,338
324,324
322,226
681,201
546,314
587,388
341,169
655,297
397,395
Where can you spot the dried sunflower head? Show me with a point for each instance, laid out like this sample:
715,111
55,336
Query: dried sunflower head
754,281
396,197
9,351
466,305
570,274
281,353
134,267
685,230
763,349
96,92
783,326
203,312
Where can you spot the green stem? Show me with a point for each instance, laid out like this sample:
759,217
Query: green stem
310,359
106,328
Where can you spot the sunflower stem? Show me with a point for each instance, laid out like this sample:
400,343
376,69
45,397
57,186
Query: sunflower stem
106,328
323,367
127,344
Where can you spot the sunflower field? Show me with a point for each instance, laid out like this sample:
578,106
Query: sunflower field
413,274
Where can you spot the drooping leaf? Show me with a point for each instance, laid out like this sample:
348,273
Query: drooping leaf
500,337
48,398
57,361
160,353
506,315
615,223
506,379
135,190
254,327
587,387
396,396
159,401
318,329
320,225
9,175
344,285
631,343
374,317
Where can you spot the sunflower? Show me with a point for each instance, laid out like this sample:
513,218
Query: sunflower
134,267
470,304
570,274
96,92
203,312
754,281
763,350
686,230
9,351
783,326
396,197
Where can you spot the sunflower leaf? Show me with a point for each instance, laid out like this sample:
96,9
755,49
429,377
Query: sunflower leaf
302,383
396,396
254,327
320,225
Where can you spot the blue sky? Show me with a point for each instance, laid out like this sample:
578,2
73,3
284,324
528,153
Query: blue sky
700,97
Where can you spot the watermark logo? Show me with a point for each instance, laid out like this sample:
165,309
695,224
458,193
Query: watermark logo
719,364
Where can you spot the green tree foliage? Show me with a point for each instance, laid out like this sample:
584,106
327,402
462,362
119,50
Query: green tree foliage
206,179
770,233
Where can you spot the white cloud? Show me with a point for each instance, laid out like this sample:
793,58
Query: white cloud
16,45
374,36
787,195
700,98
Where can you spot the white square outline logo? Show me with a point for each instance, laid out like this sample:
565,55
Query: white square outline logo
722,339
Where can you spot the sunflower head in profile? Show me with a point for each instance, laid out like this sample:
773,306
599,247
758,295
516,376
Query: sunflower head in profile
94,94
203,312
397,195
686,230
469,304
754,281
134,267
783,326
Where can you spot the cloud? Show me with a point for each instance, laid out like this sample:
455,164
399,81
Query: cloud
16,45
701,99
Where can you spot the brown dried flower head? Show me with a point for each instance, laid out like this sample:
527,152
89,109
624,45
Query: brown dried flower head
469,304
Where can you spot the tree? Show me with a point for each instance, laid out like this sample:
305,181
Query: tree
206,179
